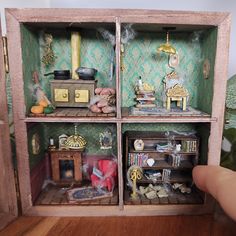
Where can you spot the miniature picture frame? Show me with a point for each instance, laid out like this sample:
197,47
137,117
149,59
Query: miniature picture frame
35,144
105,139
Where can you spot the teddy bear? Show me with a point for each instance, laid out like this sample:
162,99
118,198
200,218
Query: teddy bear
104,101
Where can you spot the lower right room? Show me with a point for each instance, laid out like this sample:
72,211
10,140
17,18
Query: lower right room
158,160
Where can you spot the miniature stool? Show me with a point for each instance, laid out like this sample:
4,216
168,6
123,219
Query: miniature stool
179,94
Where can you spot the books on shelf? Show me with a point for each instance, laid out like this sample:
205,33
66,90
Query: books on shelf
139,159
189,145
145,99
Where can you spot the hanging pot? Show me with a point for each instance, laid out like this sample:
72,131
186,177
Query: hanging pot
60,74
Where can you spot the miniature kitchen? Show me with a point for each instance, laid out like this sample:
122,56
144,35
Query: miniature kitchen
115,111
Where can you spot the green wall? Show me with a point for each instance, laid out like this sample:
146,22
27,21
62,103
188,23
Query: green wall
38,129
31,62
95,53
205,86
158,127
141,59
89,131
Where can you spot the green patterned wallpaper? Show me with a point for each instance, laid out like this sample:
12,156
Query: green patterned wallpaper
30,57
141,59
89,131
95,53
158,127
38,129
205,86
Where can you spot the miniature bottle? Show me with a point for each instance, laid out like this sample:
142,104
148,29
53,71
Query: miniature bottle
140,83
51,145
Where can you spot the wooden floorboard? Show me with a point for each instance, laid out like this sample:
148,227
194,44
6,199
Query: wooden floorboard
73,112
56,195
162,225
177,198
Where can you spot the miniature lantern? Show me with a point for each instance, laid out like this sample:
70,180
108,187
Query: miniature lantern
167,47
75,141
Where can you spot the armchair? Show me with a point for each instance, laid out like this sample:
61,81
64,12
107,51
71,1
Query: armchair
108,169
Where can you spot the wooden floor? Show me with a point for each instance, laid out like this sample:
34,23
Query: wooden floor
56,195
177,198
73,112
112,226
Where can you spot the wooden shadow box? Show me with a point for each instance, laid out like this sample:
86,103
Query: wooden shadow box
24,27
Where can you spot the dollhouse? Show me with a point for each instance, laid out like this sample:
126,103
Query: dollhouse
96,169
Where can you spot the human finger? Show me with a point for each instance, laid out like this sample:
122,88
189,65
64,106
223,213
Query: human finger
220,183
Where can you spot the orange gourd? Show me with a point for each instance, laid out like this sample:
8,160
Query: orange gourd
37,109
43,103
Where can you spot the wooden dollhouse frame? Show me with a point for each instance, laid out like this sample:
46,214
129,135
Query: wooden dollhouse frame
16,17
8,198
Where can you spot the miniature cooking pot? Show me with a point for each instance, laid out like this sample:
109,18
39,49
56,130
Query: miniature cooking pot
86,73
60,74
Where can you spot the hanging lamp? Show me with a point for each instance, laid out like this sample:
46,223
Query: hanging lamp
167,47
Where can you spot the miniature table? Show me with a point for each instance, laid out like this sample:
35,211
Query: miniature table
179,94
64,155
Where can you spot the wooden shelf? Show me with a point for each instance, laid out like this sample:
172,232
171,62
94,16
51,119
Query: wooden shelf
175,178
70,115
73,112
71,119
85,115
165,118
164,153
165,165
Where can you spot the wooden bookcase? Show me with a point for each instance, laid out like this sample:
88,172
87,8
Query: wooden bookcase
24,27
163,160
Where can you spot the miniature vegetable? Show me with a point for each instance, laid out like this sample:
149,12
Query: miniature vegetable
37,109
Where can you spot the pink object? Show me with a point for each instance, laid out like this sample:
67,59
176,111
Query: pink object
105,91
102,103
109,170
98,90
95,108
108,109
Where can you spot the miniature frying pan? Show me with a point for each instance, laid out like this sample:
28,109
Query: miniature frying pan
60,74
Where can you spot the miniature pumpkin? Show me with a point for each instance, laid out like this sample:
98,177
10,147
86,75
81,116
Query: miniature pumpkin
43,103
37,109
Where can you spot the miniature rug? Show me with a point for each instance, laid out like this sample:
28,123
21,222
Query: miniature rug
86,194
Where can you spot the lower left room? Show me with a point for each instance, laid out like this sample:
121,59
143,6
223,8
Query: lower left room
73,163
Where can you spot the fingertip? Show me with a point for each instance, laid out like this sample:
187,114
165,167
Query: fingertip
209,178
220,183
199,177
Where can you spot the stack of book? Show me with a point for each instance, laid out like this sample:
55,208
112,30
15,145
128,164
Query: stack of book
145,99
